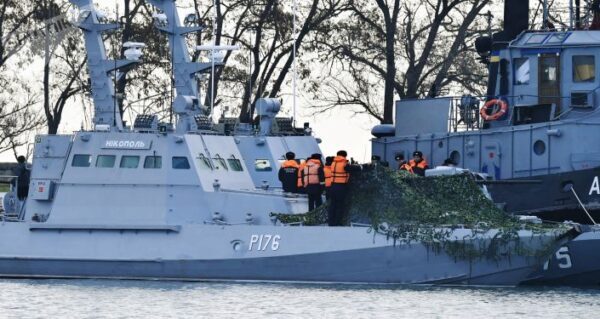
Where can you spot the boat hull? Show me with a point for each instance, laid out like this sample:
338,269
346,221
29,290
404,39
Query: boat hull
302,254
549,196
577,263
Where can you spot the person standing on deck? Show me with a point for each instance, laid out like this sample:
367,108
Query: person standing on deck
340,169
313,177
288,173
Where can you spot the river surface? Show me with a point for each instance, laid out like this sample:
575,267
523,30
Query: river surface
153,299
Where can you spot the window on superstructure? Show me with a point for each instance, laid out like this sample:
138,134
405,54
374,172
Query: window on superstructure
180,162
204,162
153,162
220,162
262,165
105,161
521,71
235,164
129,161
81,160
584,68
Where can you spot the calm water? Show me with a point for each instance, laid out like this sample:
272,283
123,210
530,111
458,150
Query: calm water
139,299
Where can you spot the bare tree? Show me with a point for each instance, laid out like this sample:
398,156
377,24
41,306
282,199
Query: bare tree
15,26
414,48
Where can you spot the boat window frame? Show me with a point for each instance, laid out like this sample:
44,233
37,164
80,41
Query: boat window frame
106,156
575,74
237,164
154,166
515,67
137,163
186,162
205,162
76,156
219,162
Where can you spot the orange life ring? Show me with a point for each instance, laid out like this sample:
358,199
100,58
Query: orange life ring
498,114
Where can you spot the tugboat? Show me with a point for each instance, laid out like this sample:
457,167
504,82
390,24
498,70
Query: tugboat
533,134
195,201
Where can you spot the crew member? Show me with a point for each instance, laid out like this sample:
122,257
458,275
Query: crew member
313,177
400,160
417,165
288,173
22,178
300,180
340,169
328,175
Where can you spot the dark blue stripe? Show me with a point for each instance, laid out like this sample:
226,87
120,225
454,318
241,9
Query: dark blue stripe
534,51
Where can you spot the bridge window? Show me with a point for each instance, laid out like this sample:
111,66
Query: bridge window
521,71
235,164
262,165
129,161
153,162
204,162
180,162
81,160
584,68
220,162
106,161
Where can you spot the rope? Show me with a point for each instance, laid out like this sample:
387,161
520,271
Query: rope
583,206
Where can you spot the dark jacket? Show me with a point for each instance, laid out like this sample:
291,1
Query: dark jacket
288,176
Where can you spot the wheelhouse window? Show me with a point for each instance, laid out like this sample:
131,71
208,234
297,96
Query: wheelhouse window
180,162
129,161
536,38
220,163
584,68
262,165
204,162
81,160
235,164
153,162
105,161
522,69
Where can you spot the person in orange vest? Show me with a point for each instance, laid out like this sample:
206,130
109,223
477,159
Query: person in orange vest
340,170
288,173
300,180
417,165
400,160
328,175
313,178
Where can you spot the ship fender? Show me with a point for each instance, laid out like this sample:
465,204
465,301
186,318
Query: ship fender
495,115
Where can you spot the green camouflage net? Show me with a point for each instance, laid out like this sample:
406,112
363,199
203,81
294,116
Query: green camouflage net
411,208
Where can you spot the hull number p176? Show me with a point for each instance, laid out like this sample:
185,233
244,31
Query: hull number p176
264,242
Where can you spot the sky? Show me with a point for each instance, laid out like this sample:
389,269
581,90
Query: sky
338,128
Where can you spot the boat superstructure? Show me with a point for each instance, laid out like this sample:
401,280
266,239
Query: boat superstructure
542,154
194,201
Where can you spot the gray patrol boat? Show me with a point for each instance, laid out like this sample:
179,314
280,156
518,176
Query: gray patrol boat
194,201
534,134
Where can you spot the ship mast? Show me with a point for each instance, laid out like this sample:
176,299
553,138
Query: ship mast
106,117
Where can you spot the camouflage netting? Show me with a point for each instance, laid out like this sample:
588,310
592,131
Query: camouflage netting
410,208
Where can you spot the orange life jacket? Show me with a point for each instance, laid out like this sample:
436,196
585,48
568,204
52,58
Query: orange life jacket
311,172
338,170
328,175
300,169
412,164
290,163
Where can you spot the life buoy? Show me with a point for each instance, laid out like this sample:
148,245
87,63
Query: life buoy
496,115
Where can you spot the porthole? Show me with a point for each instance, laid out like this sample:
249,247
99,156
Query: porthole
441,144
539,147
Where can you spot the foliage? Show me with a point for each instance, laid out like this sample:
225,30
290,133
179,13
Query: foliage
410,208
